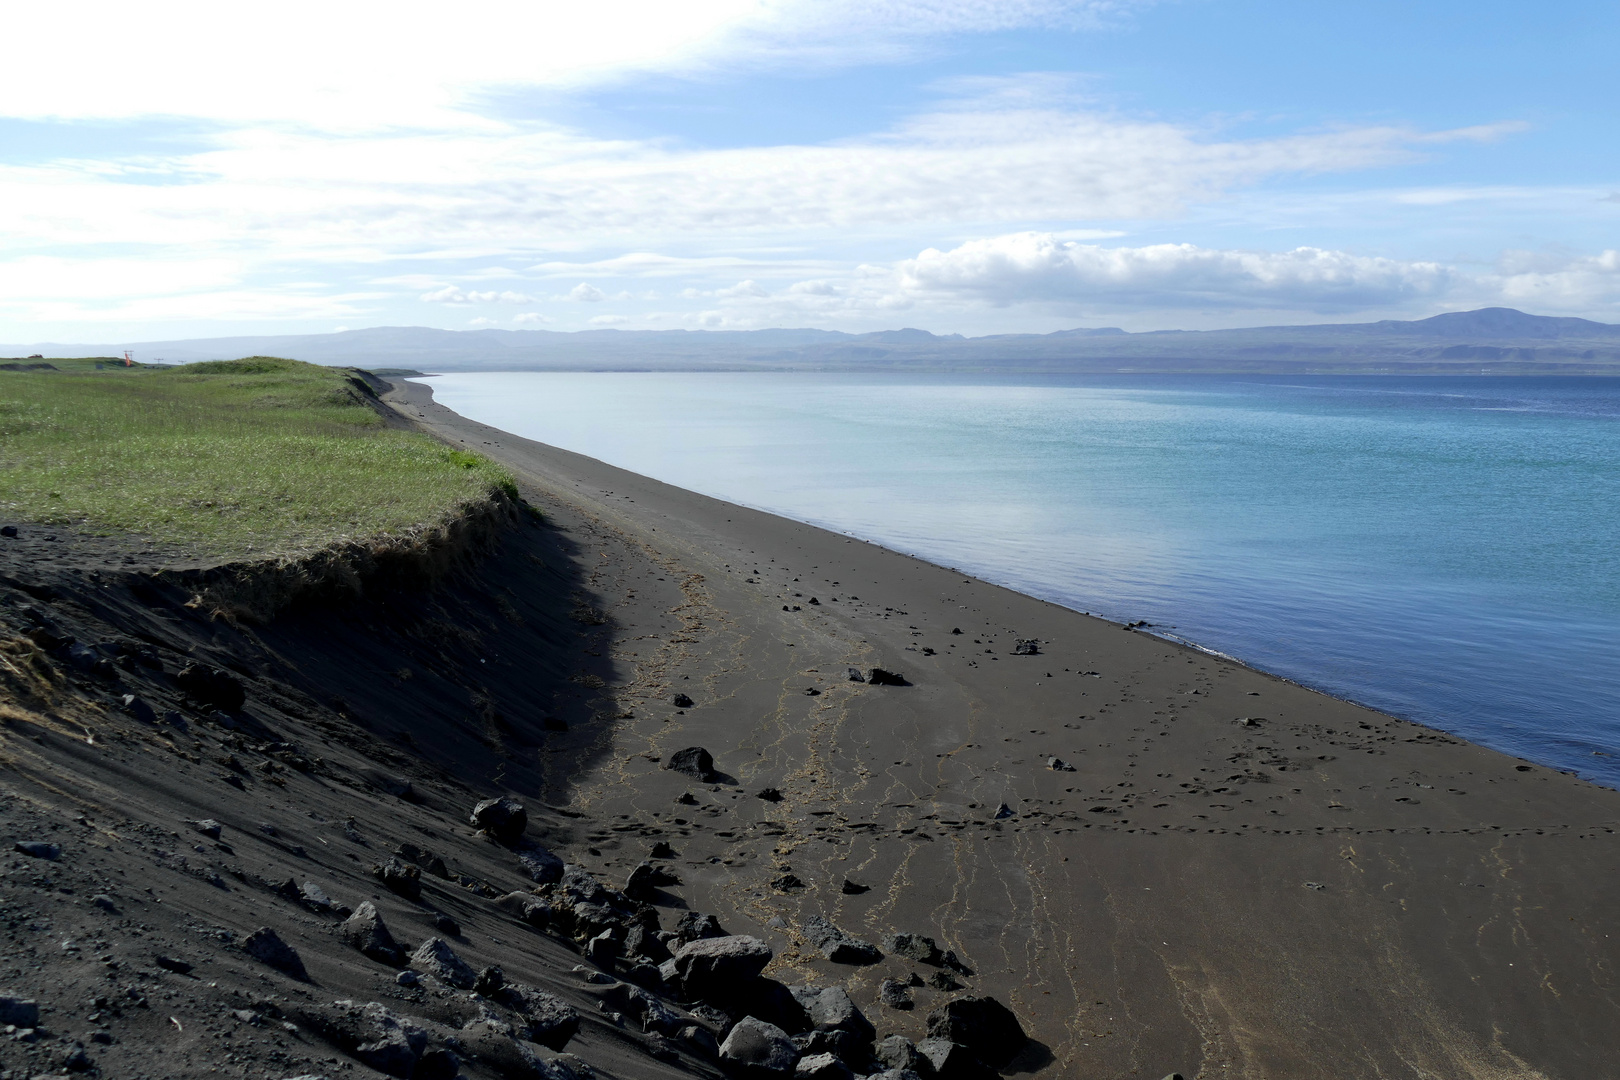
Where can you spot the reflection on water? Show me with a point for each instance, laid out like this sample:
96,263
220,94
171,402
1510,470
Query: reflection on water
1443,549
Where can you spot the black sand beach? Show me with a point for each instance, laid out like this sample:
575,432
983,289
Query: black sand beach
1199,868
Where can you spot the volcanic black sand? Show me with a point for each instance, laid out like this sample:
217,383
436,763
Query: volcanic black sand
1159,859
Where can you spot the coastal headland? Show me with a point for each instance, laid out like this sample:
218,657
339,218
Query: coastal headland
1160,860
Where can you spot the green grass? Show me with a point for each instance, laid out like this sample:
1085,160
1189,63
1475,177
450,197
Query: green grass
259,456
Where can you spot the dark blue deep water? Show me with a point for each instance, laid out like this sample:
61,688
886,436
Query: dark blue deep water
1444,549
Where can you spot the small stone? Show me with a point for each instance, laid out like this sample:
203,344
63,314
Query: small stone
19,1012
139,709
914,947
489,980
838,946
212,686
38,849
105,903
694,761
769,794
1057,764
855,675
208,827
849,888
681,701
169,963
880,677
400,878
1026,647
408,977
896,995
662,850
444,924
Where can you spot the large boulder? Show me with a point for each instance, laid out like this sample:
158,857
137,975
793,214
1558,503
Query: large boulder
898,1052
757,1049
719,968
503,818
833,1010
395,1045
435,957
982,1024
822,1067
548,1019
366,931
949,1060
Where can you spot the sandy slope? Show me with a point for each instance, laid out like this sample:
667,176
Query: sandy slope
1324,892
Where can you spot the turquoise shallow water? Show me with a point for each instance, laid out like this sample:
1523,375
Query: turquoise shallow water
1447,550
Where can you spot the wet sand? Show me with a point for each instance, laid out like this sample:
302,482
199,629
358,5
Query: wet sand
1239,877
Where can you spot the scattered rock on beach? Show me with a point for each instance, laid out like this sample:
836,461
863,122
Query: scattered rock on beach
1027,647
948,1060
838,946
19,1012
855,675
719,967
896,995
694,761
400,878
503,818
769,794
756,1048
38,849
540,864
366,931
915,947
1057,764
982,1024
211,686
139,709
681,701
266,946
849,888
435,957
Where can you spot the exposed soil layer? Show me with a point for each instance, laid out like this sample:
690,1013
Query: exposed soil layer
1158,859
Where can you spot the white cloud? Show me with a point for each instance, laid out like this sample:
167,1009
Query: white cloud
742,288
452,294
609,320
532,317
587,293
1036,267
352,67
482,321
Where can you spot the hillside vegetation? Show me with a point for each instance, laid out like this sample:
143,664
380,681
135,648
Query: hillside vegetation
260,456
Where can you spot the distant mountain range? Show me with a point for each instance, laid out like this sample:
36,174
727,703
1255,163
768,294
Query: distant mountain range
1490,340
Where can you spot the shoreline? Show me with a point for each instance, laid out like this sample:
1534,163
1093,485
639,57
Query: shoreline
1184,874
1424,681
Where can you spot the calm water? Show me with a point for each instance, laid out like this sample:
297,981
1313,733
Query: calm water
1446,550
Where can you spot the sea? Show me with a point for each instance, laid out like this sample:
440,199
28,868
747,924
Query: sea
1443,549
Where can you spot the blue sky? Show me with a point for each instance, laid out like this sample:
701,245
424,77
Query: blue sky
1023,166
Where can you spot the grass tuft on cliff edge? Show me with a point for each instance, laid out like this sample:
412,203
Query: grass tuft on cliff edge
261,457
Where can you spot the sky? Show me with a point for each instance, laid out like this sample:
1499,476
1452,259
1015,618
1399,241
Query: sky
190,169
